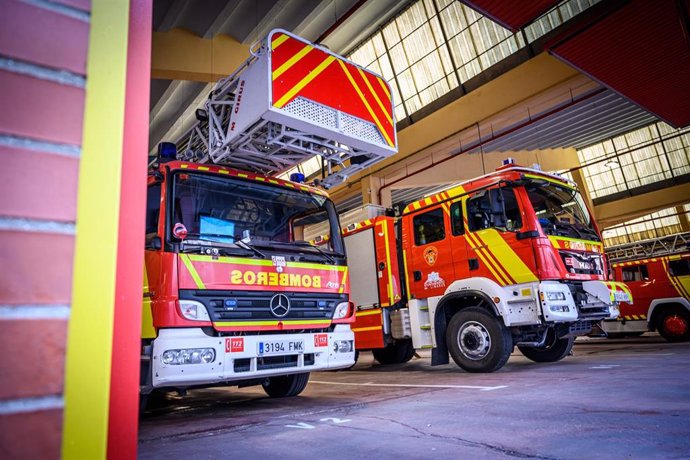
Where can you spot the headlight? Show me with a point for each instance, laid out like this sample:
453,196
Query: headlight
343,346
193,310
552,296
188,356
341,310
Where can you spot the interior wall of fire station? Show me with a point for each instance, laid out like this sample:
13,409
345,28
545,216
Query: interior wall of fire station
71,124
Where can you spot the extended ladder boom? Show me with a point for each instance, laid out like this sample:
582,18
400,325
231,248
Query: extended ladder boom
292,100
655,247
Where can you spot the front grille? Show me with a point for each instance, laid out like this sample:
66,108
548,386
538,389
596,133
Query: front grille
255,305
582,263
273,362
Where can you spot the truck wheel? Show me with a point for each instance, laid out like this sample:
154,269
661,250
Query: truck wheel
674,324
554,350
398,352
478,341
286,385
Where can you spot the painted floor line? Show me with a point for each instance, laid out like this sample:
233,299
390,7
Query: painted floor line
404,385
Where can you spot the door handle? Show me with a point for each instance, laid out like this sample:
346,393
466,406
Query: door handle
474,264
417,275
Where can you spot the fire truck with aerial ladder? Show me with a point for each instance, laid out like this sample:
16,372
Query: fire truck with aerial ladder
657,271
233,293
509,258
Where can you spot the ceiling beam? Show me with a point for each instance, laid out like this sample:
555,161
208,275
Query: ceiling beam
625,209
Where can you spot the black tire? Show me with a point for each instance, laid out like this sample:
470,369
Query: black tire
286,385
673,324
478,341
398,352
554,350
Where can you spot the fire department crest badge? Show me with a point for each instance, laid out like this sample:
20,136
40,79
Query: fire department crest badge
430,255
434,281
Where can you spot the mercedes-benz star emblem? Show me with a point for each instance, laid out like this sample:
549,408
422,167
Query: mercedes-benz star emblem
280,305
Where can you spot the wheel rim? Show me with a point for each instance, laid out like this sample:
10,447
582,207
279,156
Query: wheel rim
675,325
474,340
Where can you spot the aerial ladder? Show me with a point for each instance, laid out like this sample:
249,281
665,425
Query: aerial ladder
290,101
654,247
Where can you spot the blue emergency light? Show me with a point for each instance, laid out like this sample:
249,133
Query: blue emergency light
509,161
167,151
297,177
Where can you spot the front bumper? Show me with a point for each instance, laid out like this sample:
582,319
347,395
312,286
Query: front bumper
590,301
237,358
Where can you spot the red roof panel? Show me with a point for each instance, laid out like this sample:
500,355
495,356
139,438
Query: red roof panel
640,51
512,15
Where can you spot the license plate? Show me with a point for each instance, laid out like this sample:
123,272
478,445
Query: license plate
621,296
280,347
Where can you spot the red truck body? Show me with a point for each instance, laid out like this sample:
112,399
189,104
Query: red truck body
517,245
661,289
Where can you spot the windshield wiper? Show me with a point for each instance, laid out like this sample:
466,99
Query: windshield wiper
236,242
247,245
306,244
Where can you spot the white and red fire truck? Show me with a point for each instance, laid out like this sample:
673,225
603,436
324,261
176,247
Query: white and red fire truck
658,274
233,293
510,258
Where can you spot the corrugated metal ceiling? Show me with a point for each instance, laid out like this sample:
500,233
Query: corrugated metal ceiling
597,118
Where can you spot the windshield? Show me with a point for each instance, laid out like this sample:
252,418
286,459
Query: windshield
561,211
238,213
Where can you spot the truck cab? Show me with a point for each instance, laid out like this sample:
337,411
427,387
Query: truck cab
510,258
233,293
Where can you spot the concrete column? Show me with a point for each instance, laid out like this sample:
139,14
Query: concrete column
370,189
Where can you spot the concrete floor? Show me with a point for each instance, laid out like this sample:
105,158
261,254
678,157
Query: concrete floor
613,399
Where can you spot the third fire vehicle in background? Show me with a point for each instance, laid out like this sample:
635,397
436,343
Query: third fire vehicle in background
509,258
657,271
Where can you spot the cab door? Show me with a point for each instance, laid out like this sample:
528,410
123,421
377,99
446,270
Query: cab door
495,249
430,268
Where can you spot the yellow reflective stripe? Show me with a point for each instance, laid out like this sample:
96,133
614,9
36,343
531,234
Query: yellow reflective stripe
90,339
366,329
278,41
388,262
376,311
261,262
376,96
271,322
147,329
565,184
407,278
518,270
499,278
344,282
192,271
365,102
384,87
555,240
305,81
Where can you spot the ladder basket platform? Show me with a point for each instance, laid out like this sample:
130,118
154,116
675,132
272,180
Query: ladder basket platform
292,100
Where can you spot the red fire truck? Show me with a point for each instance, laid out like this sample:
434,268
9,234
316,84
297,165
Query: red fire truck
510,258
233,292
658,274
